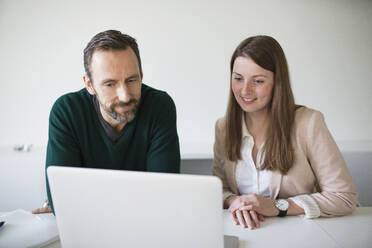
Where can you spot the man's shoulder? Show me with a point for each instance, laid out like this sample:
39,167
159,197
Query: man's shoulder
155,98
72,98
73,103
149,92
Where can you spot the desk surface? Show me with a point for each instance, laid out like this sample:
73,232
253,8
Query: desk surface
294,231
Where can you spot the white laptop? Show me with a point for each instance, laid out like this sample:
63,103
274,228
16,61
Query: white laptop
112,208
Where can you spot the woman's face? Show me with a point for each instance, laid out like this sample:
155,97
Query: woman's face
252,85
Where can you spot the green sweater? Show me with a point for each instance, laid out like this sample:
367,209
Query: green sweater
149,143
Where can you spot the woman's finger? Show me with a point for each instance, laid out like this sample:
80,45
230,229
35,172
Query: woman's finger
260,217
254,217
240,217
248,219
235,206
247,208
234,218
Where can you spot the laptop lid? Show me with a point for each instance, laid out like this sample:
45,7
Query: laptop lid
112,208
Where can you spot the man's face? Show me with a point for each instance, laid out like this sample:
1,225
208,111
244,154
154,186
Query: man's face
116,81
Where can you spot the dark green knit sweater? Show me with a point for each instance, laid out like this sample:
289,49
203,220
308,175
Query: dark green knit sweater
149,143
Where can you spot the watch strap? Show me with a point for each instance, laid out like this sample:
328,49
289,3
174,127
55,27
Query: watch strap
282,213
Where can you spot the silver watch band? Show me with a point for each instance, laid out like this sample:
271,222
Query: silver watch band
46,203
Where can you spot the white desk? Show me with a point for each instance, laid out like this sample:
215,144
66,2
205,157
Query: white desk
293,231
350,231
23,229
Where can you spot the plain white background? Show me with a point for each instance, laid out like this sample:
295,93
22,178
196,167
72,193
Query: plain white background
185,48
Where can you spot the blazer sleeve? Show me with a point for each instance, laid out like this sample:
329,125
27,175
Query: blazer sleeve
338,195
219,160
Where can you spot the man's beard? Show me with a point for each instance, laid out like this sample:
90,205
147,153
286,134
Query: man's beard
128,115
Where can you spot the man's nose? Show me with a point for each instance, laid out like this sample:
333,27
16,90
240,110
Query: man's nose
123,93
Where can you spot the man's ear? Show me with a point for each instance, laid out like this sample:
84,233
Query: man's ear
88,85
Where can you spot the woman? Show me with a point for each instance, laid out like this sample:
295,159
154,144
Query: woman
274,157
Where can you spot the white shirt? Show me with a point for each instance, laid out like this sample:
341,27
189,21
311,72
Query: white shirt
248,178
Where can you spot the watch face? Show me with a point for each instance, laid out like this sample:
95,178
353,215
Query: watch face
282,205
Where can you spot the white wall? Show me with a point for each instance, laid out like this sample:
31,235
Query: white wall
186,48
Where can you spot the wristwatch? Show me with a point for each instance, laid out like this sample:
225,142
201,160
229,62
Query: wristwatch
282,205
46,203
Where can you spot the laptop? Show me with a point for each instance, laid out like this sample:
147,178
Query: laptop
113,208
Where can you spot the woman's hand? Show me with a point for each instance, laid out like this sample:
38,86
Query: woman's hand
244,218
247,218
257,203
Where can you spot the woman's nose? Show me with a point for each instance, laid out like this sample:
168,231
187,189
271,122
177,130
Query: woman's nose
247,88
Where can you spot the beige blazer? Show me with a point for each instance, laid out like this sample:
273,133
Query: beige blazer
317,161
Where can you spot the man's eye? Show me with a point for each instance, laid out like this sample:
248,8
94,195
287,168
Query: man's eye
109,85
238,79
133,80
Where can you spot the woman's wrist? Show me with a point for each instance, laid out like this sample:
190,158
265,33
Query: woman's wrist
294,209
229,200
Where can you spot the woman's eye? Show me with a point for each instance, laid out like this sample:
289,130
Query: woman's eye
109,85
237,79
258,81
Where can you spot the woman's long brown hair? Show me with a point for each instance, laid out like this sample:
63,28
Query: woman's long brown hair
266,52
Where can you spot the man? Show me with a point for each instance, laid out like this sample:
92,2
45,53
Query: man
115,122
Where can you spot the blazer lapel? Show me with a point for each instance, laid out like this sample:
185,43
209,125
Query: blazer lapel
231,167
